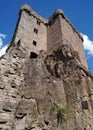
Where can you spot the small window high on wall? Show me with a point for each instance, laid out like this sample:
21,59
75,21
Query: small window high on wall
34,43
35,30
38,22
33,55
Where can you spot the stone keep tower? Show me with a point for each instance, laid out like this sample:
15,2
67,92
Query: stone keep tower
35,33
44,83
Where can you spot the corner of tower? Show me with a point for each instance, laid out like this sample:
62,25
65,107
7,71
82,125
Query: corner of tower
55,14
58,11
25,7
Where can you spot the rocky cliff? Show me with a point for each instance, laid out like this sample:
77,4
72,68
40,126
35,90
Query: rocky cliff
45,92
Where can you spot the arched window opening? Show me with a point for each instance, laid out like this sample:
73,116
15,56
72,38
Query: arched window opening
33,55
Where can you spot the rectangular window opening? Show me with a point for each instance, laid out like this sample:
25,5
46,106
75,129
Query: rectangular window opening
34,43
84,105
38,22
35,30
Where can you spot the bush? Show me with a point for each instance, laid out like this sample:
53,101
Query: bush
61,112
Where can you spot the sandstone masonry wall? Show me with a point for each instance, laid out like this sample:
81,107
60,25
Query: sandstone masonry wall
71,37
31,29
54,35
51,91
36,33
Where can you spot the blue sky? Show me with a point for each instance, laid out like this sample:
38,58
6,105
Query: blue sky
79,12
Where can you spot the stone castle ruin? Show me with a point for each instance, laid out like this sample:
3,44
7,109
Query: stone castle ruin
45,83
36,33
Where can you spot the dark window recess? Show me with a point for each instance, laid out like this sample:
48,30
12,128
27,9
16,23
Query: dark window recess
35,30
38,22
18,43
33,55
84,105
34,43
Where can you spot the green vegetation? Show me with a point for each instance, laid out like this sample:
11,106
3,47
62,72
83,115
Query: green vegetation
75,55
50,59
50,92
61,112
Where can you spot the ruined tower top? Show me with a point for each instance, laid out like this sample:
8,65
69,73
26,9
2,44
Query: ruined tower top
36,33
25,6
29,10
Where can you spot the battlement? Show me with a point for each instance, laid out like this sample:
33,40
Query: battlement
36,33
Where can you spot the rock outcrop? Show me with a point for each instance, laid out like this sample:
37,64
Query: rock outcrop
47,92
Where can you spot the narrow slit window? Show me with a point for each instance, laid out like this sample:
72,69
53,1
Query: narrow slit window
35,30
34,43
18,43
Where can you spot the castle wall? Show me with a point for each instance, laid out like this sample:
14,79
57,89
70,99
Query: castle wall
31,29
47,34
54,35
71,37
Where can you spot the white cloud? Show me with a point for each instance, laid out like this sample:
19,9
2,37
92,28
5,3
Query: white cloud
3,50
88,45
2,47
2,36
